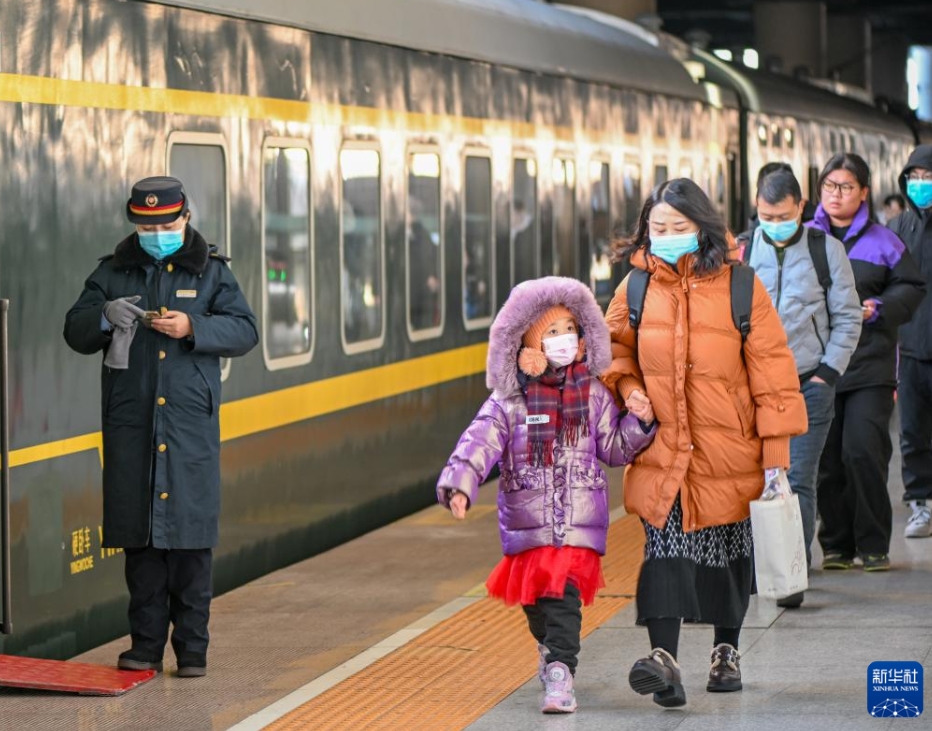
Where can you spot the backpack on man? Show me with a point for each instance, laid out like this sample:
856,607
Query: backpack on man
817,251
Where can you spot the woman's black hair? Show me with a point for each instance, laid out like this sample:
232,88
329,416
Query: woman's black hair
689,199
855,165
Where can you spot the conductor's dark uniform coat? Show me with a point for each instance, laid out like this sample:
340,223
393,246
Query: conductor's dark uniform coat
160,416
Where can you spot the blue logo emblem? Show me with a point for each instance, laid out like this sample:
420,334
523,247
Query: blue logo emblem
894,689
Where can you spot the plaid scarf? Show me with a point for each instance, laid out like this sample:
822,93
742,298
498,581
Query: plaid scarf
566,410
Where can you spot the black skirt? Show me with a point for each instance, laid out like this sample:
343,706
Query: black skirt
704,576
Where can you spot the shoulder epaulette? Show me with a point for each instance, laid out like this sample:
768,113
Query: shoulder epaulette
221,257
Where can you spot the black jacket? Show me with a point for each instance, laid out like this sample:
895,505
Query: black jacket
161,416
914,227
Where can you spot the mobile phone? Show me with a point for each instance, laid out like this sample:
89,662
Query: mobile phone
148,316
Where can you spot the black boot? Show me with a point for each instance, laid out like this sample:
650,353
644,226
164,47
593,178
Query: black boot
725,673
658,673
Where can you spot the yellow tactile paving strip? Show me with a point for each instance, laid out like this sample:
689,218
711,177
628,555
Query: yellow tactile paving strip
455,672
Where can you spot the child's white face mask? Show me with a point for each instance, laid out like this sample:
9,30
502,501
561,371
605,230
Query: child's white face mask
561,350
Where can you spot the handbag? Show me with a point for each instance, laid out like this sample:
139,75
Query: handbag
779,546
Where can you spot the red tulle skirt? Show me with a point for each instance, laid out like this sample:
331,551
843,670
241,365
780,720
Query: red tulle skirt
543,572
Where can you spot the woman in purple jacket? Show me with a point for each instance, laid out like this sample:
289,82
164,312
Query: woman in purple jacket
548,423
852,497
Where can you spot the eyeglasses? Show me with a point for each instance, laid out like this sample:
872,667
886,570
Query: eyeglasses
830,186
927,176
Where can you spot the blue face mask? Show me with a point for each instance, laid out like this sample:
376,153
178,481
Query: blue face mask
920,192
779,230
159,244
671,248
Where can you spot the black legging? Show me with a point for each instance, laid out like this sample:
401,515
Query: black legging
665,633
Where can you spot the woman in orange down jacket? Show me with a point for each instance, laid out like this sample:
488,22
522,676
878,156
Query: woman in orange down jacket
726,410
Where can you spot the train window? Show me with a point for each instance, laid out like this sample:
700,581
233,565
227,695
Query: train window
633,200
286,236
600,243
525,246
199,161
361,249
833,143
629,109
660,174
762,134
776,139
203,171
789,138
564,218
686,127
478,252
720,189
814,193
424,245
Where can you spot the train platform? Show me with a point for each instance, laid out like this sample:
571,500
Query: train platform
393,631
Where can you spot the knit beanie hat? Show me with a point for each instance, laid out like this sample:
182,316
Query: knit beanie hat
534,335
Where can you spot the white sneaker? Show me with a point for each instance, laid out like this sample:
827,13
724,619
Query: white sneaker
919,524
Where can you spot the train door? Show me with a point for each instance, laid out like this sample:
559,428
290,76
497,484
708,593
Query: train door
199,161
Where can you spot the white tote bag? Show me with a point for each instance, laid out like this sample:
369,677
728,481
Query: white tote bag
779,547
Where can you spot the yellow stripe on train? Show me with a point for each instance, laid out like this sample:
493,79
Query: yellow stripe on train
97,95
291,405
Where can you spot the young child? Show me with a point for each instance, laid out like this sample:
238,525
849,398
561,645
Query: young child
548,423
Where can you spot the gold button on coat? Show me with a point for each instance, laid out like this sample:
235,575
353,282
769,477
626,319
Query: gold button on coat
161,355
163,310
170,268
163,496
161,401
162,447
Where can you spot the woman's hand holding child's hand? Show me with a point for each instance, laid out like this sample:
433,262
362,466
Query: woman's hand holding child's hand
639,405
458,505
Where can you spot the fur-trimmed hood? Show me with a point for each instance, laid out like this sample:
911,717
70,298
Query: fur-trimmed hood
522,308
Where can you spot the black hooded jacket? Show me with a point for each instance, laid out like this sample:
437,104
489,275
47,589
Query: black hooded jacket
914,227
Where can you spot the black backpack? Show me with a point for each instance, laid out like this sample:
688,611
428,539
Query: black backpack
742,296
816,240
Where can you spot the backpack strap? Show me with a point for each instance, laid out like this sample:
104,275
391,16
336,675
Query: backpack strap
820,258
742,297
638,280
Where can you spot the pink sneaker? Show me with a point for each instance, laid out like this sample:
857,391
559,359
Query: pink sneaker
541,663
559,696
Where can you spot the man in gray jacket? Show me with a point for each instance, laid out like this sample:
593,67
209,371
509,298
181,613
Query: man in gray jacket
821,313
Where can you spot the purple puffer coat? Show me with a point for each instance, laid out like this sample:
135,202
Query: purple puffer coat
565,504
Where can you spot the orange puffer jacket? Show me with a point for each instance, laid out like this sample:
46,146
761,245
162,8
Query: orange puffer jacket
722,417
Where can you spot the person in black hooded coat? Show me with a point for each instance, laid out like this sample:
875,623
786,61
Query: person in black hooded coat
163,308
914,227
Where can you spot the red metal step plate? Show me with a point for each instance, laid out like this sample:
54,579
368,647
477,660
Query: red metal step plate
69,677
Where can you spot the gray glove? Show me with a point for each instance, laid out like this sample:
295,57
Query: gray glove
118,352
123,312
